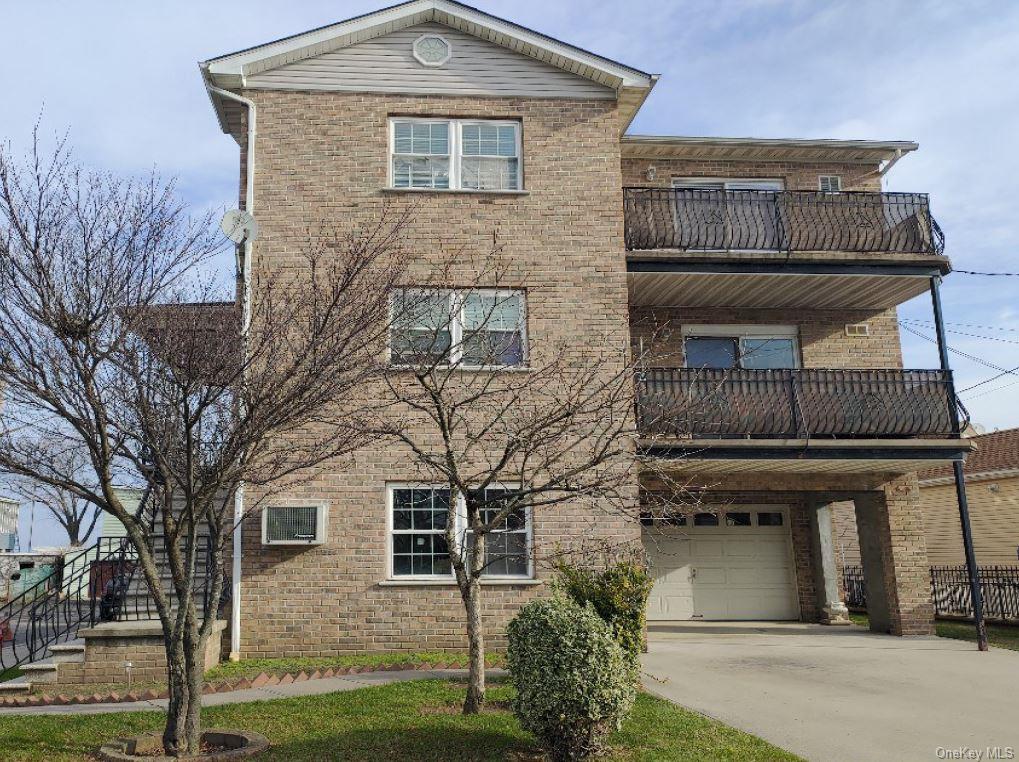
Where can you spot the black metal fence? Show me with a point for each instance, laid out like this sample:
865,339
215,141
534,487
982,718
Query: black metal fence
101,583
950,591
712,402
712,220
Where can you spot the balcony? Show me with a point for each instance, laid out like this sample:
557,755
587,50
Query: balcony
780,221
802,404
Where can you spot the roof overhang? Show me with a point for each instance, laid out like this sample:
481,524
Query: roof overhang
230,71
765,149
846,456
658,282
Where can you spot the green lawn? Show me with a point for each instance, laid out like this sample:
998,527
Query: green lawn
253,667
401,721
1000,635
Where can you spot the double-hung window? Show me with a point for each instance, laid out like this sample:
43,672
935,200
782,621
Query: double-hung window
750,347
476,328
418,542
455,154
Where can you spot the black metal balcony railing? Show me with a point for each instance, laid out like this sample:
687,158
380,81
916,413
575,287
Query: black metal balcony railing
713,220
711,403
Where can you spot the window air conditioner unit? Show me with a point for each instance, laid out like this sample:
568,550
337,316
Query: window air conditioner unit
294,524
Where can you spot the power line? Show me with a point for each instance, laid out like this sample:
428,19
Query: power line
974,358
964,325
991,391
989,275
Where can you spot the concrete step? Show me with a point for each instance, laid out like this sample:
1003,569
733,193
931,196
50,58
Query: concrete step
41,671
68,653
15,687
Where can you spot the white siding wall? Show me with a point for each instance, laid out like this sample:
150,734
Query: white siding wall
385,64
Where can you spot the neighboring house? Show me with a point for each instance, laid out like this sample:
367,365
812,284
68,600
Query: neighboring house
773,268
992,490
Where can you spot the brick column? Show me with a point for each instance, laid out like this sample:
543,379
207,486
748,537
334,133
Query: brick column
894,554
830,605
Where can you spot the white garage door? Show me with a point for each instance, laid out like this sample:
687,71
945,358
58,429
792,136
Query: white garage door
735,563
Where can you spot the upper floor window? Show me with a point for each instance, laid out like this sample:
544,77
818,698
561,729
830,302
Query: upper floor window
455,154
829,183
478,328
733,346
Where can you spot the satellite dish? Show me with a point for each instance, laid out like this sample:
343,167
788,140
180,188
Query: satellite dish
239,226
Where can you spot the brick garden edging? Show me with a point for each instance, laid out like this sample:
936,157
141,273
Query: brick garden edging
218,686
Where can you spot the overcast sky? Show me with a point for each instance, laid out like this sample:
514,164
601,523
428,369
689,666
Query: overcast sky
123,78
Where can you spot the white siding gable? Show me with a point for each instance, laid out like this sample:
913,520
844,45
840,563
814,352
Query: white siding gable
386,64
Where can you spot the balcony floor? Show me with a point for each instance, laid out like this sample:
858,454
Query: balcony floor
805,456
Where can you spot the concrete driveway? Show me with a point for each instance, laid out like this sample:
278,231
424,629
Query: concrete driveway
842,694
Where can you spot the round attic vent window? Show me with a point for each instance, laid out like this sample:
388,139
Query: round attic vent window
432,50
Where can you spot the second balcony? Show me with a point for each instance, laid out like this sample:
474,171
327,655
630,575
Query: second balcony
783,221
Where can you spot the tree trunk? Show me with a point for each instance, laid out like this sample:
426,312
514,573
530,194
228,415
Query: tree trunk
175,740
476,650
194,656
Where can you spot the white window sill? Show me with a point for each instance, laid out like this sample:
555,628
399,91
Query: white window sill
463,191
524,581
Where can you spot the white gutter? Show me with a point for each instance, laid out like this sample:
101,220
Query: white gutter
249,207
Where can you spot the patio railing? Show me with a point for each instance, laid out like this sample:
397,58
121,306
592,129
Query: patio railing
757,220
730,403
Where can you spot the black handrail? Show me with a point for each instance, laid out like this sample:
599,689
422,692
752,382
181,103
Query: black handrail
52,610
758,220
794,403
95,585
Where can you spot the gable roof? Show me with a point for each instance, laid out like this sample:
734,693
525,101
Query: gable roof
997,451
231,71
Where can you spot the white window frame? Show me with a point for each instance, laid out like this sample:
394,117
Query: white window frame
460,517
456,154
456,327
740,332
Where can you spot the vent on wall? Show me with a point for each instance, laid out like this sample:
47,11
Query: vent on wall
829,183
857,329
294,525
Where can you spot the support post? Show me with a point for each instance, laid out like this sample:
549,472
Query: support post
960,477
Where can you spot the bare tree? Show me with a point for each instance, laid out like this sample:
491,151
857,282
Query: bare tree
110,345
508,426
77,516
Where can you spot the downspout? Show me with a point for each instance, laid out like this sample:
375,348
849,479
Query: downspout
249,207
960,477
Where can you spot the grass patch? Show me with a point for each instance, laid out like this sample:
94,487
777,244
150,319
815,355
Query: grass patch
10,673
251,668
396,721
1000,635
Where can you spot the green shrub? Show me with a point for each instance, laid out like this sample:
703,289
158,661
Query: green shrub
574,683
618,593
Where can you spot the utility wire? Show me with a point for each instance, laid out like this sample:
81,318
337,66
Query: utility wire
989,275
930,323
974,358
992,390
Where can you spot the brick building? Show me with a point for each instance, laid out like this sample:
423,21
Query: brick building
769,272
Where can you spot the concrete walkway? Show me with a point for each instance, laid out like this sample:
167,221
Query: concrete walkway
304,688
841,694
